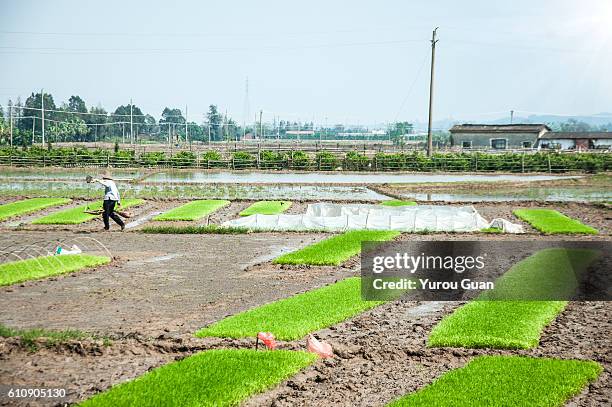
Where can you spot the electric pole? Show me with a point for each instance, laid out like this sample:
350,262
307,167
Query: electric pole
11,121
431,87
42,105
186,131
260,125
511,116
131,121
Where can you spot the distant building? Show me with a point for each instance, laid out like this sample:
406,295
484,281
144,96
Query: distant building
575,140
497,136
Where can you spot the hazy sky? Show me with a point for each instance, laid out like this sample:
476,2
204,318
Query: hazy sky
350,61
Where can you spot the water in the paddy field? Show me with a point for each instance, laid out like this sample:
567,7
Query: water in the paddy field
194,176
552,194
77,174
213,191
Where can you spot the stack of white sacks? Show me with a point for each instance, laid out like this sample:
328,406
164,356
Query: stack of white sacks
339,217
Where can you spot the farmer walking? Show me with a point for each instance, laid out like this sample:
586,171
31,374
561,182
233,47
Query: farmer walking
111,198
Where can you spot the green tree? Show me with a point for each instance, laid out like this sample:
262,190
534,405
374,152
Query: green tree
399,132
172,121
97,118
4,128
122,115
70,129
32,112
214,121
76,104
197,132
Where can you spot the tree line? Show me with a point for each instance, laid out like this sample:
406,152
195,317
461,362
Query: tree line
74,121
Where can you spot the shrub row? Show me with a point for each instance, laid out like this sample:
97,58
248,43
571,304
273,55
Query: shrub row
324,160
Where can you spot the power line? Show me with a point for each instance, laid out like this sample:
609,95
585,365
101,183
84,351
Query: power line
77,51
94,114
519,47
174,34
411,87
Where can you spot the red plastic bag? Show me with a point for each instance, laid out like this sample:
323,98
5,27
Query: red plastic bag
268,339
322,349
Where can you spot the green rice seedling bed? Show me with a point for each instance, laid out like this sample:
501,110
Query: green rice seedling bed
336,249
76,215
292,318
26,206
397,202
506,381
492,230
492,322
46,266
31,338
210,378
266,208
193,210
553,222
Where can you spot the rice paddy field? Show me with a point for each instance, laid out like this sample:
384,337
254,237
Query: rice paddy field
172,311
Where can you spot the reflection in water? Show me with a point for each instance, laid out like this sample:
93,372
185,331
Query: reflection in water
213,191
64,174
571,194
332,177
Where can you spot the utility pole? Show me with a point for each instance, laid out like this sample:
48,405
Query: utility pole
11,121
246,112
226,134
511,116
325,127
260,124
431,87
186,133
42,105
131,121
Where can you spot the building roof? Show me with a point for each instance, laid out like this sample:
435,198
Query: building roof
499,128
556,135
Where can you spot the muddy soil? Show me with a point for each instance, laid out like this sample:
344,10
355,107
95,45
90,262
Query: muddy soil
382,355
379,356
155,284
581,180
158,291
7,199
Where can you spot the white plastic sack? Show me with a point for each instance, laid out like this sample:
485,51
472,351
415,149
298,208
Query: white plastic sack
59,251
339,217
506,226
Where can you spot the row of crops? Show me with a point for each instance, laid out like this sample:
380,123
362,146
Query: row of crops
552,162
233,375
228,377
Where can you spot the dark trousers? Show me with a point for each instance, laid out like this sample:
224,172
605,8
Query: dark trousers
109,212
